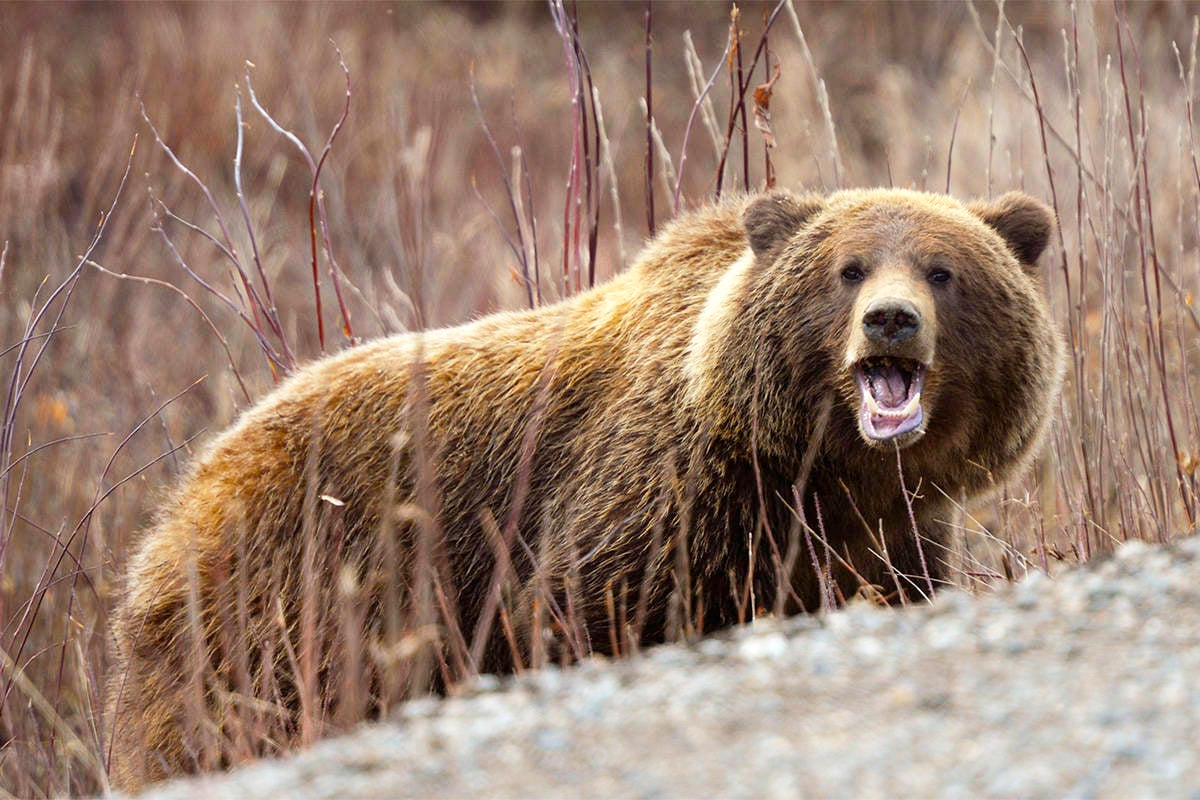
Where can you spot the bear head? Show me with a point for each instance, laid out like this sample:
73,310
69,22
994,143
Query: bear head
920,315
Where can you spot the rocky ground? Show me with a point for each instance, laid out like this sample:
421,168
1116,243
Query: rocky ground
1081,686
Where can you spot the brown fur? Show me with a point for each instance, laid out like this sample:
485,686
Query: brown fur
690,394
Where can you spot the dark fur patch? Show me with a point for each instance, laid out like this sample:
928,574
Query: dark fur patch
773,218
1023,222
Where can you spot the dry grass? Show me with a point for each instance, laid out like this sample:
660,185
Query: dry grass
109,382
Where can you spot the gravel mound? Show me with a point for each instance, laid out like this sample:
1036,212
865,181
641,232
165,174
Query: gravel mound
1081,686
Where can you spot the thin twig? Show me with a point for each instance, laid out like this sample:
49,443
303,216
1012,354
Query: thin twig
187,298
649,120
519,250
687,131
953,132
912,519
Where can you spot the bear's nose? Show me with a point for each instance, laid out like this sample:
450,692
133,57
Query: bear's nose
891,320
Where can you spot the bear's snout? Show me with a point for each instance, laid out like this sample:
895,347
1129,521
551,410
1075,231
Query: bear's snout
891,320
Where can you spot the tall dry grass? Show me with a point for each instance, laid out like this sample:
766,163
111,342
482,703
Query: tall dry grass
499,155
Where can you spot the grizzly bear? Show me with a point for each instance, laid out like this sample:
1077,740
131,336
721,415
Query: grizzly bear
774,409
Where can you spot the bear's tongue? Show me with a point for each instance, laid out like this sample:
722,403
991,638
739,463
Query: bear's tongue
889,386
891,397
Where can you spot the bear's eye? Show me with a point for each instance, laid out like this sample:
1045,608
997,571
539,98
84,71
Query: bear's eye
938,275
853,274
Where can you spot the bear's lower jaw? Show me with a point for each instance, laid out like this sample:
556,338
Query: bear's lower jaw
890,399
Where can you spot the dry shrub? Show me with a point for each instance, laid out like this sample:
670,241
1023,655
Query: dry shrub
109,382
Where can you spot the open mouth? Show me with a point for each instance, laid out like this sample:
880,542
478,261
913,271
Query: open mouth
891,396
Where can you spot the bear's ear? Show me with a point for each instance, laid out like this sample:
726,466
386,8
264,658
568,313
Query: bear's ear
773,217
1023,222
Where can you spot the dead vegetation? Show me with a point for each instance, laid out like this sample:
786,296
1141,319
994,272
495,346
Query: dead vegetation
180,226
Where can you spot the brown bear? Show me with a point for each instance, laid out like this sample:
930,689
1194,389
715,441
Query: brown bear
770,410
